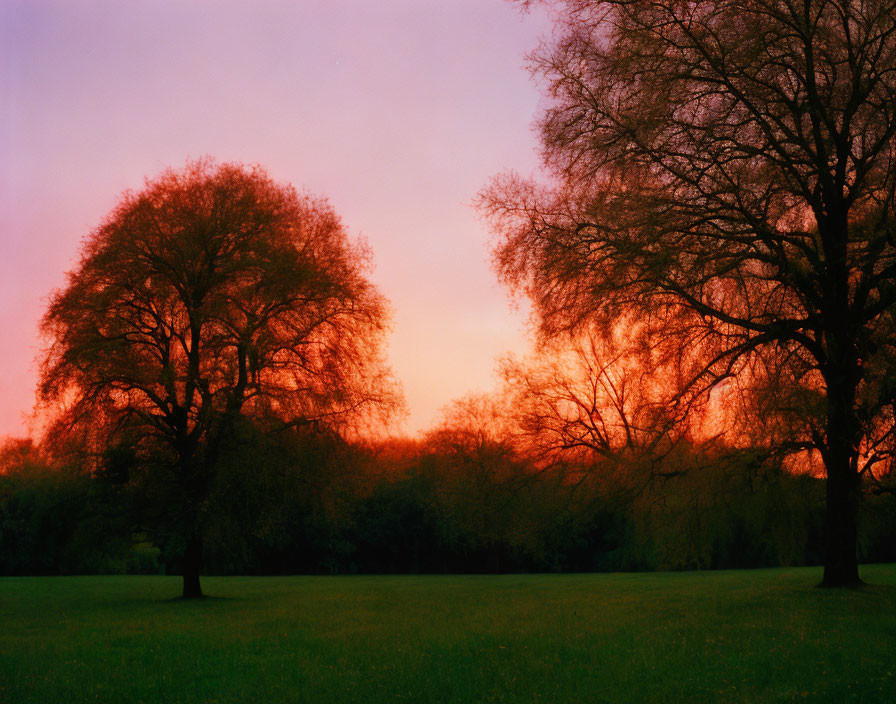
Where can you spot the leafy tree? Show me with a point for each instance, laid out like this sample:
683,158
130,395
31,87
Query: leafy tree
213,293
56,519
727,168
490,495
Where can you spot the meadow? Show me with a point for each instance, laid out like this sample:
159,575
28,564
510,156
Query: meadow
737,636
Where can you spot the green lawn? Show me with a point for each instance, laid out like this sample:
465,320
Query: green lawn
766,635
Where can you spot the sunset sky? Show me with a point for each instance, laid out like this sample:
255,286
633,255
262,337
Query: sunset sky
398,111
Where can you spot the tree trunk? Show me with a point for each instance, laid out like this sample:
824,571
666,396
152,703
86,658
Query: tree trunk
841,564
192,563
842,374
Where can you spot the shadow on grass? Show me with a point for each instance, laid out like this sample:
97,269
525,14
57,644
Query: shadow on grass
204,599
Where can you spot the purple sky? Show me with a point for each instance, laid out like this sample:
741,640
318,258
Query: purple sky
398,111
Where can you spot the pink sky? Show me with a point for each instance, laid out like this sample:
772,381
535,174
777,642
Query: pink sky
398,111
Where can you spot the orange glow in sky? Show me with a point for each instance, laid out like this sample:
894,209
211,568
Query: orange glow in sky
398,111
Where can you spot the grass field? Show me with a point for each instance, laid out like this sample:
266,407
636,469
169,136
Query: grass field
753,636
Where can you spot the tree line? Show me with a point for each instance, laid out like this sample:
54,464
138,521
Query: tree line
307,503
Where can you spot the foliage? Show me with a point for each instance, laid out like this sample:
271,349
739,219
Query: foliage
60,520
215,291
299,503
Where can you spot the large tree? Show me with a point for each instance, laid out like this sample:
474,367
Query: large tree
211,295
728,168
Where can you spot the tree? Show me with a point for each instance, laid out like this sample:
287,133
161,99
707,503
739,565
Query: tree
727,168
486,491
212,294
598,397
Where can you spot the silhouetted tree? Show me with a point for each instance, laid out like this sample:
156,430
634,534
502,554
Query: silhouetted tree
485,488
211,294
728,168
596,397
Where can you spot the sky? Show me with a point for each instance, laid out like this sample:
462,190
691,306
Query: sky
397,111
